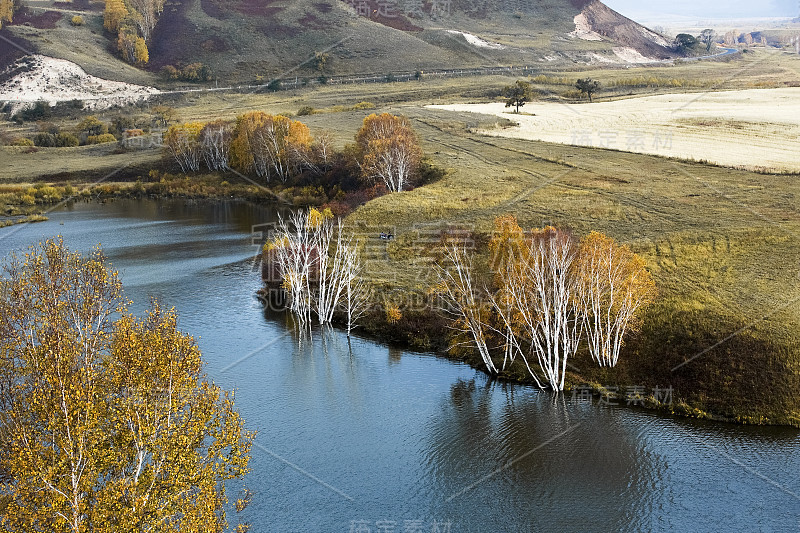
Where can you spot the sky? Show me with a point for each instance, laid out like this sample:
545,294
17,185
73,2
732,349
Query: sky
707,8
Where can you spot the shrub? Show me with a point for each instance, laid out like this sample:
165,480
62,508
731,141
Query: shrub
393,313
69,105
64,140
43,139
39,111
305,111
92,126
573,94
100,139
120,124
46,194
196,72
22,141
363,105
27,199
77,20
168,72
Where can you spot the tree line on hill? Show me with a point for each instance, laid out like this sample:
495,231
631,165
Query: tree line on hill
133,22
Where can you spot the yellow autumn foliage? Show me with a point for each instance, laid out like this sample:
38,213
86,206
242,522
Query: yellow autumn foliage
107,421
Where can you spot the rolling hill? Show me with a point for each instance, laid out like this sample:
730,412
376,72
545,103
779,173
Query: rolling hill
244,39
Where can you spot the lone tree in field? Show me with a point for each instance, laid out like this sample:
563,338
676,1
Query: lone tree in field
107,422
587,86
707,37
516,95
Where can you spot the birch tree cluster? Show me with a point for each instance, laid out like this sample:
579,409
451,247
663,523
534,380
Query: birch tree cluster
270,147
319,267
107,422
386,154
548,292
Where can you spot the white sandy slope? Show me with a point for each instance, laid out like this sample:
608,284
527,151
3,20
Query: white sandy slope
583,29
629,55
474,40
754,129
58,80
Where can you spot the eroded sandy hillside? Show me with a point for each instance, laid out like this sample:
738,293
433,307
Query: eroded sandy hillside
39,77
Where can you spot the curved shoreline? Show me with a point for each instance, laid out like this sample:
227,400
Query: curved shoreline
422,331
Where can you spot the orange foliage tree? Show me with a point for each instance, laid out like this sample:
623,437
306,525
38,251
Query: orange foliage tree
269,146
6,11
115,12
389,149
549,288
536,298
613,286
133,48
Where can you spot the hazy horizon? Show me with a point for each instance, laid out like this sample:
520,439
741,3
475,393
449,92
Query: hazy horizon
716,9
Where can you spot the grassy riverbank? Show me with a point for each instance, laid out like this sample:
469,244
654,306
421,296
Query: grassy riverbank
723,245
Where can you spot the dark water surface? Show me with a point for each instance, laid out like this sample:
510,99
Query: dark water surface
370,438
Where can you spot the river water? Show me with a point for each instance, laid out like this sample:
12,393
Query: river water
366,437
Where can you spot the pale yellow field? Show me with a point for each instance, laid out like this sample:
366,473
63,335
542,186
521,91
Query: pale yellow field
752,129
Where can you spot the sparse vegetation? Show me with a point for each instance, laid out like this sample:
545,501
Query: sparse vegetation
588,86
516,95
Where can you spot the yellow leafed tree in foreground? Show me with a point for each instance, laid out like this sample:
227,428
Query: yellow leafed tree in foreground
105,425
